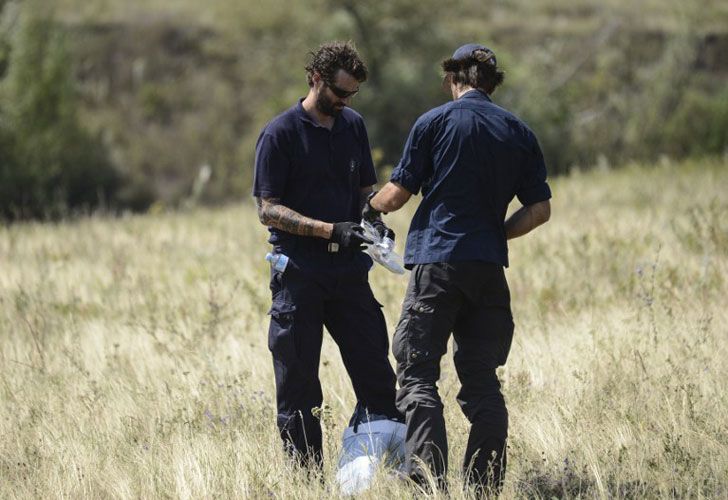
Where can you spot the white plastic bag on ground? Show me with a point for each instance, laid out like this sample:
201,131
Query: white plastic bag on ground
370,440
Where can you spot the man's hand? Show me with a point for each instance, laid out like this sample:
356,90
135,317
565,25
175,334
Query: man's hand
383,230
349,235
369,213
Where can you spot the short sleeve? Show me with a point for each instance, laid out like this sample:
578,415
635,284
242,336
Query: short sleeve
367,172
272,166
533,187
416,163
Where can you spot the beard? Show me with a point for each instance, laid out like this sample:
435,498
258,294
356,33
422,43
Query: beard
327,106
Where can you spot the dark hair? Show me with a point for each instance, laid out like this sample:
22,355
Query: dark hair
333,56
478,70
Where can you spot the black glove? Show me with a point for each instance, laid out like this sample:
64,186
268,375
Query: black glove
369,213
383,230
349,235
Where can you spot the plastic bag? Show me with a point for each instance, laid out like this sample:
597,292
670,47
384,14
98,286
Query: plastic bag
382,250
369,441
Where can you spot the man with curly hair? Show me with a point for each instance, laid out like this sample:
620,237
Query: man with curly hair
470,158
313,171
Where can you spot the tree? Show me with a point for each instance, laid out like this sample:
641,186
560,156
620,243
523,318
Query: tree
402,43
50,163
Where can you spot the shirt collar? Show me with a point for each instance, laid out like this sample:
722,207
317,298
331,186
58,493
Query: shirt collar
476,94
303,115
339,121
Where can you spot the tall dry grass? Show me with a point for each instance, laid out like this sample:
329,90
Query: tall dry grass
134,360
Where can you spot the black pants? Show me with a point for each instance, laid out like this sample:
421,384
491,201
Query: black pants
471,300
332,290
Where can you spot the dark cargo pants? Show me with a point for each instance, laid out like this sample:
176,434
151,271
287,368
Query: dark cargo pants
471,300
319,289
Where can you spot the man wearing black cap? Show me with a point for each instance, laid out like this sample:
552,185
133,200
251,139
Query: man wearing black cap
469,158
313,170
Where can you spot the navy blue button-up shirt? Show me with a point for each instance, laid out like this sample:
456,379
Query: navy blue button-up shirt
315,171
470,158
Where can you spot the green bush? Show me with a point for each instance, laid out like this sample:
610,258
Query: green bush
698,126
50,164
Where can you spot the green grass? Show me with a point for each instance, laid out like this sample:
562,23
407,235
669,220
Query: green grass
134,360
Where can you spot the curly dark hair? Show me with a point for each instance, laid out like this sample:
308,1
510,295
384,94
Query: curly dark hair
479,70
333,56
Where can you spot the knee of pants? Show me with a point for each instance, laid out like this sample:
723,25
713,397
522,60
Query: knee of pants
418,394
296,393
295,346
482,400
418,383
480,382
491,417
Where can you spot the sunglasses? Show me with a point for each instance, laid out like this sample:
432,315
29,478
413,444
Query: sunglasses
341,93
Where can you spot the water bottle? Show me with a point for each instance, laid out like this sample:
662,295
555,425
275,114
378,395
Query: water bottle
278,261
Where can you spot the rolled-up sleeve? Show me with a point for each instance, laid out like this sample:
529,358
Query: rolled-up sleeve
533,187
416,163
272,165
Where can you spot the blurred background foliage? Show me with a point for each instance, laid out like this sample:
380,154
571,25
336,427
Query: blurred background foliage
126,105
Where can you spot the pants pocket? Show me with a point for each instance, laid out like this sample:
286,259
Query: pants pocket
412,341
281,340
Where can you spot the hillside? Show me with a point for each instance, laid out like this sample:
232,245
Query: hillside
168,88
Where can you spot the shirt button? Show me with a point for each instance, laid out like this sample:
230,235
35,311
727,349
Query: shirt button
414,354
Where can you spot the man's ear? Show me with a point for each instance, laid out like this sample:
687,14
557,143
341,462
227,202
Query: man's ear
316,79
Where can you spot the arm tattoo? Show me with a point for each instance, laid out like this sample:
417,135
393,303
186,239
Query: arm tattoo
272,213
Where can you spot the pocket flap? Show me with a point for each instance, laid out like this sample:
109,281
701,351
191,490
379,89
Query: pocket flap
280,308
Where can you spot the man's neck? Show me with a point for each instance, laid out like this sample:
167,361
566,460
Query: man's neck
309,106
461,91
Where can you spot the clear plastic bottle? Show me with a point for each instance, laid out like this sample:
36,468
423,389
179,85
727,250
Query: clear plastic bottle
278,261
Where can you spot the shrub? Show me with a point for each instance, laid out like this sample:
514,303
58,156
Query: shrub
50,164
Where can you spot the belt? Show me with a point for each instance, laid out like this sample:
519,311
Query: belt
311,246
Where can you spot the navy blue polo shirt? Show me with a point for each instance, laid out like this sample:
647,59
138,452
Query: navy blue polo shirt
315,171
470,158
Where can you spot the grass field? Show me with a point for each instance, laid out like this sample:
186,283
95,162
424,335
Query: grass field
134,360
